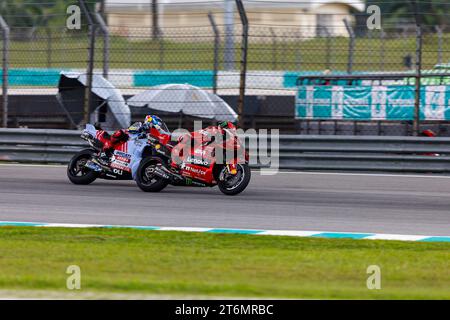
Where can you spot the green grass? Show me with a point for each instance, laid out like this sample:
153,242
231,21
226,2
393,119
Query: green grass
162,262
315,54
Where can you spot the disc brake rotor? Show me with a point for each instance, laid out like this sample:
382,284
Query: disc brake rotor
233,180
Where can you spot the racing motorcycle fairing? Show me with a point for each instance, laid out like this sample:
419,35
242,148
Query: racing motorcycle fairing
208,157
200,162
194,156
126,155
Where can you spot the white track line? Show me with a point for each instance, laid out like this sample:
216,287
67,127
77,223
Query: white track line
362,174
293,233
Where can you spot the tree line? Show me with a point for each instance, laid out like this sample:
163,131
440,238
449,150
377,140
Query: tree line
36,13
429,12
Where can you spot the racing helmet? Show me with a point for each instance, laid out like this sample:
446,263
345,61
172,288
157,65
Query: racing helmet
155,122
428,133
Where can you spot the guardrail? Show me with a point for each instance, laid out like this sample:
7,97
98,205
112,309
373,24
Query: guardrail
39,145
304,152
365,153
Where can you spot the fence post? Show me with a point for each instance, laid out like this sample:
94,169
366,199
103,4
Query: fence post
439,34
101,9
418,77
328,46
161,49
274,49
298,52
106,43
244,51
90,67
383,51
351,46
216,50
48,32
5,67
155,20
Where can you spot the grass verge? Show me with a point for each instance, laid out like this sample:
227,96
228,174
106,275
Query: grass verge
163,262
371,54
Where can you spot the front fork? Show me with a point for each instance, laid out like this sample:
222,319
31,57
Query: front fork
230,169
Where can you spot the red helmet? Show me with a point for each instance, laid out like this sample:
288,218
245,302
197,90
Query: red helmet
428,133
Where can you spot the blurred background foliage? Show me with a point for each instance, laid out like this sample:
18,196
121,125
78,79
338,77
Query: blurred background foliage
431,12
39,13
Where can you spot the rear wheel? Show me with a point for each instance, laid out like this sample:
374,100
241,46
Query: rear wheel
146,180
233,184
77,172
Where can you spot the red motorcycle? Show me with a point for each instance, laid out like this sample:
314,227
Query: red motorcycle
204,158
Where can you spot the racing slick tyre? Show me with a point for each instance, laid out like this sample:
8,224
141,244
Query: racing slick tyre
232,185
146,180
77,172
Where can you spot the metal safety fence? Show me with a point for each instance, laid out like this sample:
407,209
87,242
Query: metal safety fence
250,52
387,154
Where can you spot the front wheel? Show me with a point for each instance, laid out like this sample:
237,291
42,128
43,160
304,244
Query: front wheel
146,179
77,172
233,184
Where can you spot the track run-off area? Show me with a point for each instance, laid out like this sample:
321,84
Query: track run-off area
333,202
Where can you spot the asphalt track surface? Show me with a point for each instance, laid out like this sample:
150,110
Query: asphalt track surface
395,204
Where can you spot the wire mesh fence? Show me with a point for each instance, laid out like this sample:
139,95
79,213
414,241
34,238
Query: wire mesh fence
198,43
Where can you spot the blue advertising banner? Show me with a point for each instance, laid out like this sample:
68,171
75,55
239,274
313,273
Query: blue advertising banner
394,102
